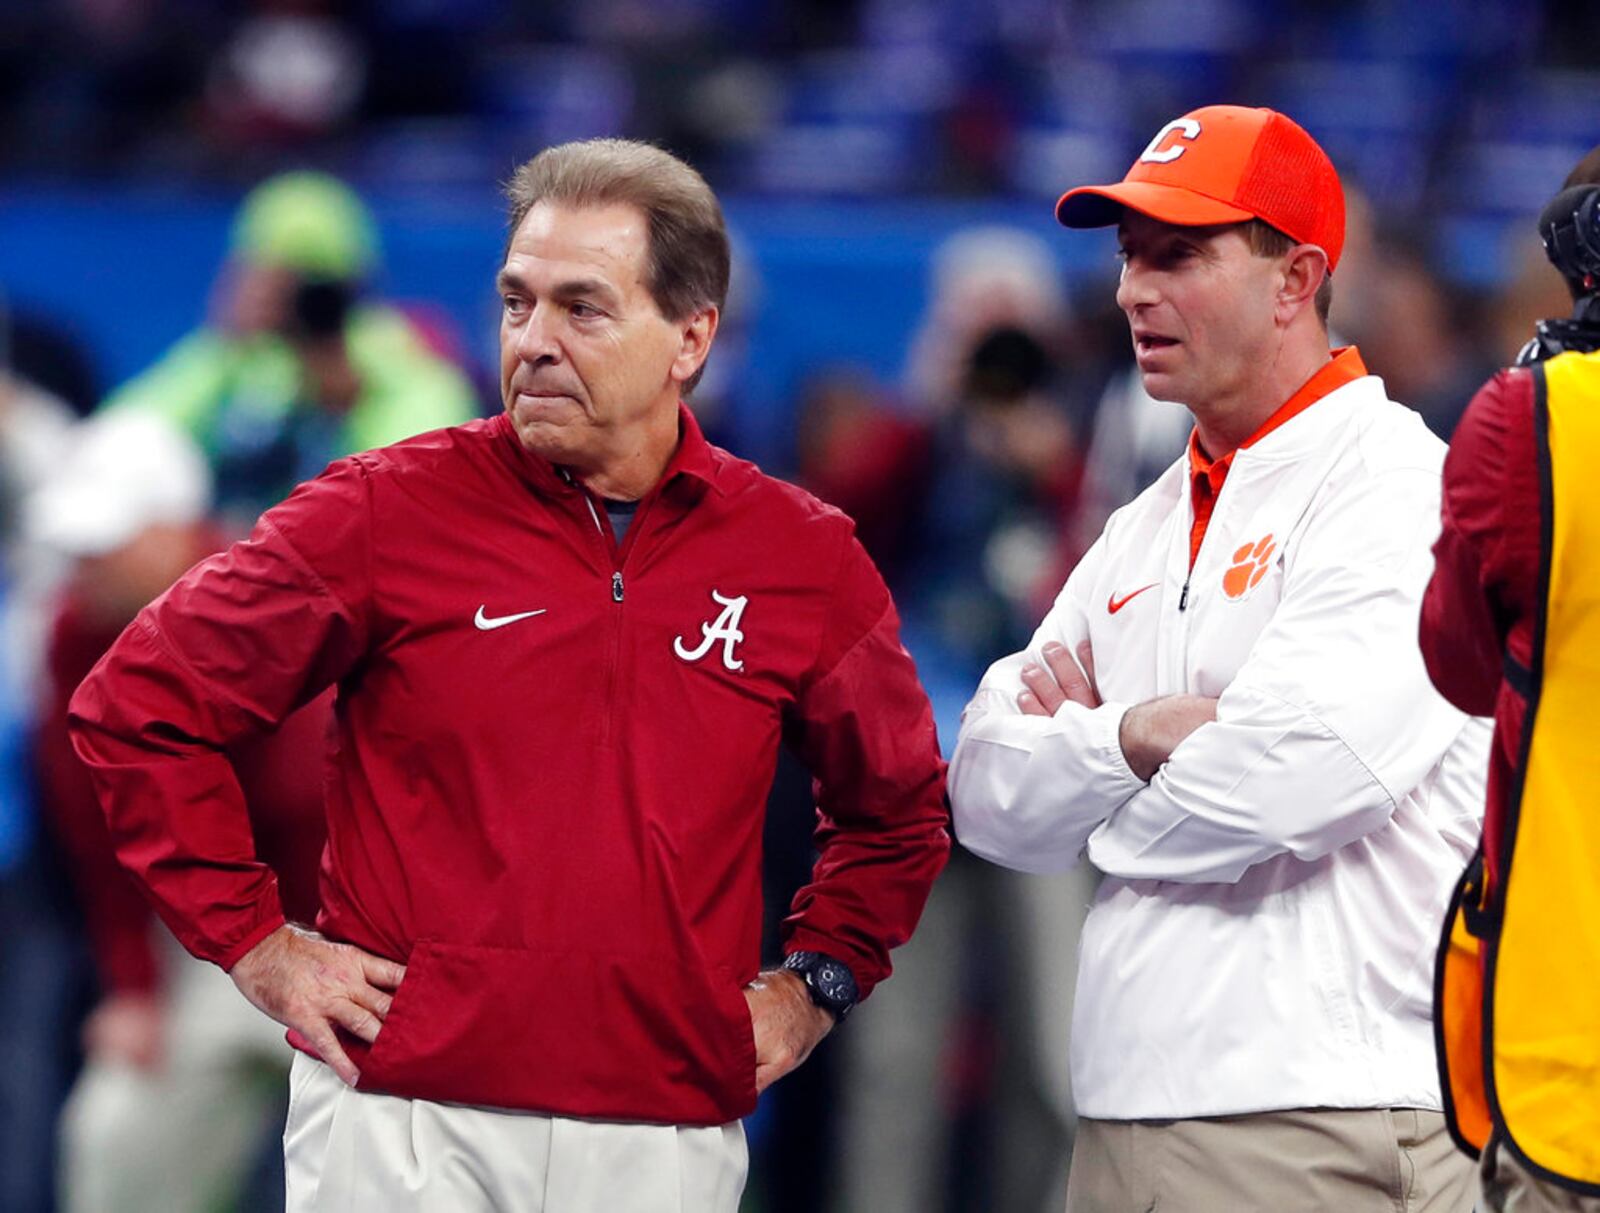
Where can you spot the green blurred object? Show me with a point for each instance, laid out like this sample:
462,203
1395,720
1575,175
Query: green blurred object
308,222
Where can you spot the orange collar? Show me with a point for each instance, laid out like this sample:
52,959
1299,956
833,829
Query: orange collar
1206,475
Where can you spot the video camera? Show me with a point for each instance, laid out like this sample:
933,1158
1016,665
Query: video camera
1570,229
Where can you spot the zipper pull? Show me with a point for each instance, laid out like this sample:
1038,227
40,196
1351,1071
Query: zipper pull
616,586
1183,598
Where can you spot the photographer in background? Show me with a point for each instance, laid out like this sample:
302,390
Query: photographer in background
298,364
1509,630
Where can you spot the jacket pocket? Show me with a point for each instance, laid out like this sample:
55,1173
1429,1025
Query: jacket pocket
611,1037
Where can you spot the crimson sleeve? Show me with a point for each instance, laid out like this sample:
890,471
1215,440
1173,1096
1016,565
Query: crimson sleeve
1461,635
238,643
864,726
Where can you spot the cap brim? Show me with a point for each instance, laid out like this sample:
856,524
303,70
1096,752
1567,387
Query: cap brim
1102,205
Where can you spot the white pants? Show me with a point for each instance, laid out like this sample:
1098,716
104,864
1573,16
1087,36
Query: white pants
180,1137
349,1151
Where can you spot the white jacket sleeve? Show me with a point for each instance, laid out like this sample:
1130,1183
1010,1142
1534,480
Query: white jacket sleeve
1026,791
1330,722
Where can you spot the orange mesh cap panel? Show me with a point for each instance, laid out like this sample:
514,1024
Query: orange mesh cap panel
1292,185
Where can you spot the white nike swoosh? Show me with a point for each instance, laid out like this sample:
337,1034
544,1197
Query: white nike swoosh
486,624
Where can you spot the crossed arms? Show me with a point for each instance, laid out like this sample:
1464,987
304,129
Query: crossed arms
1326,726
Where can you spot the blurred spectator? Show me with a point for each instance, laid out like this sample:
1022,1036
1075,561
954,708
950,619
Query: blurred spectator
297,366
1535,292
42,992
983,279
1360,266
129,505
34,429
955,1064
859,452
1419,337
1005,477
40,353
290,72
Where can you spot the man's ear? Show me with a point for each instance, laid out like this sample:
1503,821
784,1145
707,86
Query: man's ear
697,334
1305,268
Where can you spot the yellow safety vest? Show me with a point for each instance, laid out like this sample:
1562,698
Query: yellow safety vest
1517,1008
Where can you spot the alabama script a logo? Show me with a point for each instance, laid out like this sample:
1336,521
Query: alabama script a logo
725,627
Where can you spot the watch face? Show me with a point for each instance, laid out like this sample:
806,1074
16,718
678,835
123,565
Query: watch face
835,982
831,982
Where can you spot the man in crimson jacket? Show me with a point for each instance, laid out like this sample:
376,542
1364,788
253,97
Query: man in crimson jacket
567,643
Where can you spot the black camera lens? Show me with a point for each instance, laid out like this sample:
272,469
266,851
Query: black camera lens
319,308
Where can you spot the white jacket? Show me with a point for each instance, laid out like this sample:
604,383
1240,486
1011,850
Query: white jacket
1265,934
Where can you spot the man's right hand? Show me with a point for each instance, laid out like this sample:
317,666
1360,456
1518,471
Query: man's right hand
310,984
1152,730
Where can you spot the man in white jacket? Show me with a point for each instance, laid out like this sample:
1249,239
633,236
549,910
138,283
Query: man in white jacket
1227,708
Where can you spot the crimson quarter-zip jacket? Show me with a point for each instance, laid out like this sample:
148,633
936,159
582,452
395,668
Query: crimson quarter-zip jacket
550,765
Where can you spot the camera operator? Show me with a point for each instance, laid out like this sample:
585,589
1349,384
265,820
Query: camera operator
1509,629
299,364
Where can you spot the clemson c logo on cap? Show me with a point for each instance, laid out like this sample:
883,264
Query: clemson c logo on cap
1188,128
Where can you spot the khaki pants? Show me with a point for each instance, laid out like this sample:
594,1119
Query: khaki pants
348,1151
1509,1188
1312,1161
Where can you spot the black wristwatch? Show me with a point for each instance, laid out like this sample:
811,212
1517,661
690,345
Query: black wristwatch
831,983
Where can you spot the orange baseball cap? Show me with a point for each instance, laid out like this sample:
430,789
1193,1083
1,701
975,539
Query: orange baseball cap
1225,164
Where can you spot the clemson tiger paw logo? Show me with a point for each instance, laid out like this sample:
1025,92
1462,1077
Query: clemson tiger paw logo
1250,565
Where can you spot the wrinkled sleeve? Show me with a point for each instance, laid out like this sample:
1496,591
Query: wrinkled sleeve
863,725
1461,636
1027,791
1330,722
238,643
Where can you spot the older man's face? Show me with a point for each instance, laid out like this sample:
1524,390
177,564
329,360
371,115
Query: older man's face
586,357
1200,306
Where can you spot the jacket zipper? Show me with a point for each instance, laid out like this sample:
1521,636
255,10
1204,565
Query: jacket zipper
614,649
617,553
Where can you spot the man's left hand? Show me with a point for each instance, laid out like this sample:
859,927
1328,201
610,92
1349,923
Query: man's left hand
787,1024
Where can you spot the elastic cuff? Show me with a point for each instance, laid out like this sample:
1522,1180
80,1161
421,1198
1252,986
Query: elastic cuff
236,953
1108,720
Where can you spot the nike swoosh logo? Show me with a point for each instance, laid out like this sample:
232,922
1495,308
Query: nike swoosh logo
486,624
1115,604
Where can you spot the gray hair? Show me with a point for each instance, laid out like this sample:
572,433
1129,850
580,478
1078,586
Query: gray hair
689,257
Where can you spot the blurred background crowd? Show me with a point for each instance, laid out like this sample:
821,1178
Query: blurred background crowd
238,240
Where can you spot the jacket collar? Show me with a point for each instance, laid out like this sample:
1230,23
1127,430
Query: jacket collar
694,458
1312,428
